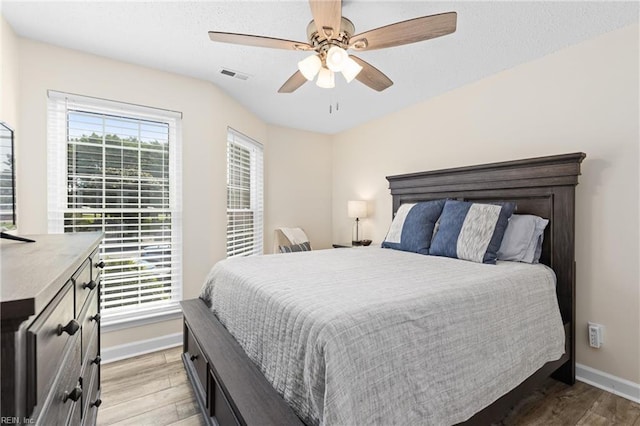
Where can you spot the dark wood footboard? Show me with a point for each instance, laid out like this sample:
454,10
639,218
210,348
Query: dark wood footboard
228,386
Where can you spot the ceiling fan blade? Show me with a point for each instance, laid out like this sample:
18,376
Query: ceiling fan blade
372,76
294,82
405,32
327,15
258,41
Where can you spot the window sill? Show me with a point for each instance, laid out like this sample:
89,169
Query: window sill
122,321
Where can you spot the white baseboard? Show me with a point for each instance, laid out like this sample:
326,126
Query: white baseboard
128,350
605,381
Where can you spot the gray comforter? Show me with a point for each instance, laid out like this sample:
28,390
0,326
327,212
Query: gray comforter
376,336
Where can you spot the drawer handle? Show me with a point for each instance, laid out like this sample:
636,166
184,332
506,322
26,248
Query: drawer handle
95,318
90,285
96,360
193,357
71,328
74,395
97,403
99,264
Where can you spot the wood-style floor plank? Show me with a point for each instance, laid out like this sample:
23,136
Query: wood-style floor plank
191,421
150,389
133,366
187,408
619,410
148,403
161,416
154,390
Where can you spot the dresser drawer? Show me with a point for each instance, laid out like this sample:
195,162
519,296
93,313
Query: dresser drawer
85,286
91,395
64,402
90,352
97,265
46,341
90,319
76,415
194,353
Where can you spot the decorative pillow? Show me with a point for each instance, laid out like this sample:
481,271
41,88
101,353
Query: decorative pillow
412,227
471,231
522,240
306,246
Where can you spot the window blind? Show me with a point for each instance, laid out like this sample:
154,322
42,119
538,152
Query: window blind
114,168
244,195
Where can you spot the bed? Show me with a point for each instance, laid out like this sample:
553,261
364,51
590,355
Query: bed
236,368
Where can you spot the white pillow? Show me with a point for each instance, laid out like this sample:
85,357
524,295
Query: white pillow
522,241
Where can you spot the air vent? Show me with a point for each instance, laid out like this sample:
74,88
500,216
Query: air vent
235,74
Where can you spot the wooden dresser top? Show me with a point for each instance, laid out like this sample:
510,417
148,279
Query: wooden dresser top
33,273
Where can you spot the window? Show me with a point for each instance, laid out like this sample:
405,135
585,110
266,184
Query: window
244,195
114,168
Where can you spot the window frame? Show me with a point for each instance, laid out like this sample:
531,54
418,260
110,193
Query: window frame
256,188
59,106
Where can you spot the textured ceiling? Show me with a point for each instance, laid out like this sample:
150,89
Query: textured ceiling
172,36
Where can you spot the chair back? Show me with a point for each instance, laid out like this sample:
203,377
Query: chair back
280,237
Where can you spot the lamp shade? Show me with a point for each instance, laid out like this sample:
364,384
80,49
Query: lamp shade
350,69
310,66
326,80
357,209
335,58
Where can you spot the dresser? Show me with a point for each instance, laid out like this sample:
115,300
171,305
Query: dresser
50,315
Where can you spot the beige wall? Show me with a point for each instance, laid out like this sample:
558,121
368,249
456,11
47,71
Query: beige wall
583,98
207,112
298,186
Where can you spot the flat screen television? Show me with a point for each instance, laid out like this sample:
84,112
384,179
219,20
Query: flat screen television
8,219
7,179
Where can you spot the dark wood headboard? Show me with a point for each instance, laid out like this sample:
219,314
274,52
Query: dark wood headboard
543,186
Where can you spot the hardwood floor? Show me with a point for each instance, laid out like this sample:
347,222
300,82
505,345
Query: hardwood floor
154,390
151,389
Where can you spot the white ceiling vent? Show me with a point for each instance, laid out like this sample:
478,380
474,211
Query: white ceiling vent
235,74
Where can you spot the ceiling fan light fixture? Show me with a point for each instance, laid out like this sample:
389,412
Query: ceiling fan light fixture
350,69
310,66
336,57
326,79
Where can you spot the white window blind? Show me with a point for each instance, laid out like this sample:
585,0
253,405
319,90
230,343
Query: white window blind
244,195
115,168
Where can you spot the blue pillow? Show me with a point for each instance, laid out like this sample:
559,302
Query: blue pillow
412,227
471,231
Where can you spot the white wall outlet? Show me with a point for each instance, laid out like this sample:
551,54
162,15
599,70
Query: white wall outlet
595,335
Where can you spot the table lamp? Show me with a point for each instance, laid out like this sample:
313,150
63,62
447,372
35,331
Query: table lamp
356,209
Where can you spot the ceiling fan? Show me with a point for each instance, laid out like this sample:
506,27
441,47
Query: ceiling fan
330,35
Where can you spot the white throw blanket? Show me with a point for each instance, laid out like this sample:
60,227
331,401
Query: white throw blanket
371,336
295,235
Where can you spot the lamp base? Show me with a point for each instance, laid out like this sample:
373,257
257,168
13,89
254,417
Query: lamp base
356,243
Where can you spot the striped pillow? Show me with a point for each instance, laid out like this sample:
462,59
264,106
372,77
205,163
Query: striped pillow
412,227
306,246
471,231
